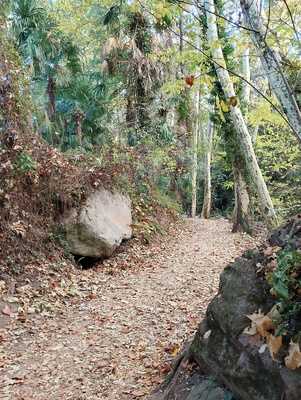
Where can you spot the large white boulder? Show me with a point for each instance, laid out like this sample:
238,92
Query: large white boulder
100,225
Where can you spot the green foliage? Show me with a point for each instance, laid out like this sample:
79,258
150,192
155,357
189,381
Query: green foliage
280,160
58,236
122,71
112,15
15,102
286,284
25,163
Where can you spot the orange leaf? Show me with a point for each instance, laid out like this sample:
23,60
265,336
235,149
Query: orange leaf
274,344
293,360
262,322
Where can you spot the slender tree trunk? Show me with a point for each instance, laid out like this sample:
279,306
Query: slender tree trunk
51,97
246,73
271,64
195,134
241,212
255,133
208,136
241,222
181,44
78,117
239,124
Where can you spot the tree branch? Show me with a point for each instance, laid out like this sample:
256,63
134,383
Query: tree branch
208,57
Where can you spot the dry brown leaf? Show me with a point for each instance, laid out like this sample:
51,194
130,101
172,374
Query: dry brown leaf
2,286
18,228
272,265
175,350
255,316
165,368
269,251
22,317
293,360
262,322
250,330
264,326
274,344
7,311
139,393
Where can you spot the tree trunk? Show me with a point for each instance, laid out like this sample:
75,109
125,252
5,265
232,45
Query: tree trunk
51,97
195,135
208,136
246,73
241,221
78,117
241,210
239,124
181,44
271,65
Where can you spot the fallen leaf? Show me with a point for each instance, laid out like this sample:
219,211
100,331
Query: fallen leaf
262,348
274,313
175,350
139,393
125,329
7,311
18,228
250,330
262,322
274,344
164,369
264,326
293,360
207,335
269,251
22,317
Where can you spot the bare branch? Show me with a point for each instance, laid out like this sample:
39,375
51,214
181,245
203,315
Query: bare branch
292,19
201,7
268,22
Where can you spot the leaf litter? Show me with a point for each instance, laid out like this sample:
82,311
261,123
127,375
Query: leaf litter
112,332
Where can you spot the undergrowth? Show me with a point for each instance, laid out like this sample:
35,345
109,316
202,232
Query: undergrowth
286,286
39,185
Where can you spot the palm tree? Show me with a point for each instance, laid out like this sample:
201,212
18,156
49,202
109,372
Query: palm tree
45,49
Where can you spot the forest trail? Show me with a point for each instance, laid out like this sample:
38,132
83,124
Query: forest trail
120,343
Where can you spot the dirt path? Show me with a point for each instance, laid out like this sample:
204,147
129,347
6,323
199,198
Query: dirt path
120,343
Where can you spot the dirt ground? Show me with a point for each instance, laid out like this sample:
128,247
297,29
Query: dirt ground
117,341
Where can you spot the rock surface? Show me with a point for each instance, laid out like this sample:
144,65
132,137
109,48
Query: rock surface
222,349
100,225
207,390
189,383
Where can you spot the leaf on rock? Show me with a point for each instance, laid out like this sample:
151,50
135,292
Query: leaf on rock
207,335
250,330
261,322
274,344
262,348
264,326
293,360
